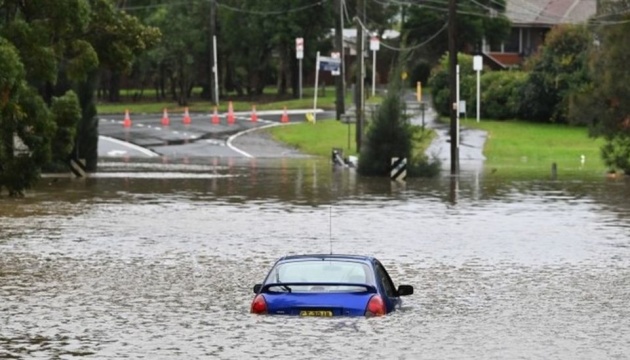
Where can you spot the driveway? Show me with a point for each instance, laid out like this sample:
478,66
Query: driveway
471,141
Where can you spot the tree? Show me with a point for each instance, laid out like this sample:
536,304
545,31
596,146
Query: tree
426,24
557,71
390,134
603,103
49,52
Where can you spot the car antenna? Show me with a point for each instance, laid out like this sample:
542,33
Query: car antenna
330,224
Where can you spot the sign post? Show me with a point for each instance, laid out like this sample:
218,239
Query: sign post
478,66
299,54
215,69
325,63
374,46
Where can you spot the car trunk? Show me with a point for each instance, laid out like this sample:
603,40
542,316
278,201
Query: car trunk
318,304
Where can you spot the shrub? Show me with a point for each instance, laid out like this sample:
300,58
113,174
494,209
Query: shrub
501,94
615,153
557,72
439,83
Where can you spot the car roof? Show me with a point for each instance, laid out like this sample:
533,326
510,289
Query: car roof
362,258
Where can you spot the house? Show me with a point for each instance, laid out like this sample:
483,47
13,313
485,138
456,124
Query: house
531,21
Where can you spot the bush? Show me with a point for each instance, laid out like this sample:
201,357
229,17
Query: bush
558,71
501,93
389,134
615,153
439,83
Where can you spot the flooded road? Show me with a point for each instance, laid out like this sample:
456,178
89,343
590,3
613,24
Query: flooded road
133,263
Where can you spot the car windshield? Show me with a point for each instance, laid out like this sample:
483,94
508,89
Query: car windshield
322,271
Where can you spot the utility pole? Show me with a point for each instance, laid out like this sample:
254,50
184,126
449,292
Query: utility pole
359,83
211,53
339,80
452,52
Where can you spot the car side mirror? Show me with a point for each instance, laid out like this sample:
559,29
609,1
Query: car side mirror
404,290
257,288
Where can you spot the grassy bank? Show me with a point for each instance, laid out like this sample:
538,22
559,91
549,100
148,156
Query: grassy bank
320,138
513,148
516,146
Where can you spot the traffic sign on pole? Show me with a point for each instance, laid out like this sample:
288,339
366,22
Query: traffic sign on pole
374,46
335,55
299,48
299,54
478,66
375,43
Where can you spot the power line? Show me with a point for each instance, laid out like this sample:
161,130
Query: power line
385,45
271,12
228,7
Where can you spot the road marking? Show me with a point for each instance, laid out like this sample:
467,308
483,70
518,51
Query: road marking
231,138
132,146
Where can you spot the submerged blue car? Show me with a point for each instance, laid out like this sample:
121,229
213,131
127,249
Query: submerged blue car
328,285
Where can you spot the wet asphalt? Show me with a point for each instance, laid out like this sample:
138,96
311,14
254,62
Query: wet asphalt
201,137
147,136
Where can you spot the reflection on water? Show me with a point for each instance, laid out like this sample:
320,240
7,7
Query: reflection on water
133,263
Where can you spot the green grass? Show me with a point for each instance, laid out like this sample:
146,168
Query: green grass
325,100
320,138
517,146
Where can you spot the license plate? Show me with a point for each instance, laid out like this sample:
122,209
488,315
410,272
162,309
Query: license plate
324,313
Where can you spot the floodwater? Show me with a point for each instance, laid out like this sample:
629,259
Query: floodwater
138,264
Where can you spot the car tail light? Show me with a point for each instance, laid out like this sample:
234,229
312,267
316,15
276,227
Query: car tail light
259,305
375,307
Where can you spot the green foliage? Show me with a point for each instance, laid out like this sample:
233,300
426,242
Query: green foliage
389,135
501,93
603,104
82,61
36,128
440,86
38,57
117,36
616,153
425,21
66,113
11,70
556,74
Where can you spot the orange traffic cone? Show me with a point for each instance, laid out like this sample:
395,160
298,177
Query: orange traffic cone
127,121
186,119
215,116
285,116
165,120
254,116
230,116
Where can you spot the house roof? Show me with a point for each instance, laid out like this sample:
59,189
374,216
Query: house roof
549,12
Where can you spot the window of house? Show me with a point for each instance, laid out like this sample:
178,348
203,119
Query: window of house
512,44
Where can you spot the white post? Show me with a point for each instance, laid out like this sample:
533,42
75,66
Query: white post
373,73
215,68
299,54
478,95
374,46
300,61
478,66
457,107
316,85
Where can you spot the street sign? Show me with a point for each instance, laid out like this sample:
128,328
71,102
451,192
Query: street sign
299,48
477,63
374,43
329,63
336,55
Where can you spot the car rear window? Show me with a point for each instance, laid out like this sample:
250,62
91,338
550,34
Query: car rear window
322,271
